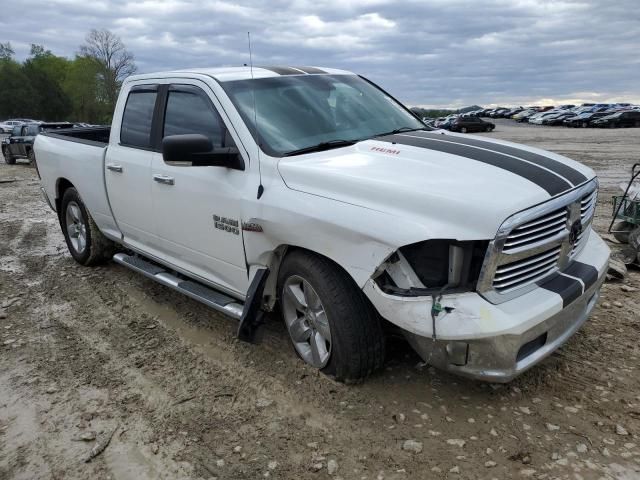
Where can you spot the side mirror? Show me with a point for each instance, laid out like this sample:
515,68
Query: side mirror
197,150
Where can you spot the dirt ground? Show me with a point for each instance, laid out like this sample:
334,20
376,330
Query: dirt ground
87,354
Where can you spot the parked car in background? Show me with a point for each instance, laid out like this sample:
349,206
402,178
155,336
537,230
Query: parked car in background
519,117
583,119
20,143
7,125
557,118
470,124
512,112
627,118
498,112
538,117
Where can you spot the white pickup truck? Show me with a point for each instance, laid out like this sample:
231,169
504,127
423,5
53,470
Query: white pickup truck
314,192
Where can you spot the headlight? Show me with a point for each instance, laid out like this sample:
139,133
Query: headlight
427,267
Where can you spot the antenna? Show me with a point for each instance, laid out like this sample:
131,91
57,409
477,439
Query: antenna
255,119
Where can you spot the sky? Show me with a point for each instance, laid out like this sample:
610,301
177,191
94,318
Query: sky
431,53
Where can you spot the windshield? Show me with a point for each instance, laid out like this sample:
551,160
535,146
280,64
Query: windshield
299,111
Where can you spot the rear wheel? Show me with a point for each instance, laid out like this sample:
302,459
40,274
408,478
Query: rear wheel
463,130
487,128
332,325
9,160
585,124
32,157
86,243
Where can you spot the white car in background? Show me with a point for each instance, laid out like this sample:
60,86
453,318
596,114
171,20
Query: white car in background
7,125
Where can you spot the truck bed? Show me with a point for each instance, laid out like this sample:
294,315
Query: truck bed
76,156
91,135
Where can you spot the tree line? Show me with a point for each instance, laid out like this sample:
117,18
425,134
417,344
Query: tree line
53,88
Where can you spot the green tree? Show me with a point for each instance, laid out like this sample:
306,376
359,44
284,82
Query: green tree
82,86
17,96
51,102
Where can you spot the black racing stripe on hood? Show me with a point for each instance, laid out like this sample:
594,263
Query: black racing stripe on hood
545,179
281,70
310,70
562,169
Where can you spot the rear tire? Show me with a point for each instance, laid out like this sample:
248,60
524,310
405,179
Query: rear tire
463,130
308,284
32,157
86,243
8,159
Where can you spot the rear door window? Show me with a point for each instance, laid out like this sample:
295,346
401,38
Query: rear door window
138,117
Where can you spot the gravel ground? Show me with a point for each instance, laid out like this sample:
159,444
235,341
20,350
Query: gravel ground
92,354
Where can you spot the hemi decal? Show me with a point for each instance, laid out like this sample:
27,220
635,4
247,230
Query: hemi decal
568,288
562,169
587,273
542,177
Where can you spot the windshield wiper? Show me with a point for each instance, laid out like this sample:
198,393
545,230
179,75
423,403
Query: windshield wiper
319,147
400,130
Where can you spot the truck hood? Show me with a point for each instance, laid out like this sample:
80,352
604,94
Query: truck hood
457,186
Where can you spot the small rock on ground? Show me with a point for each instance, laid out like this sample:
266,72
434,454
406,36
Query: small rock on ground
412,446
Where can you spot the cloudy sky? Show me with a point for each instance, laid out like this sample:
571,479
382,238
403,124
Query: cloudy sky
428,52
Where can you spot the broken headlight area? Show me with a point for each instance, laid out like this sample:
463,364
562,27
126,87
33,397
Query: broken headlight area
428,267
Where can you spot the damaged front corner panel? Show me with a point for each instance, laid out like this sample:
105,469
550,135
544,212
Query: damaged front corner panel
433,266
398,269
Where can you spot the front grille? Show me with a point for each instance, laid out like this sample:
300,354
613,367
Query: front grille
511,276
537,230
534,244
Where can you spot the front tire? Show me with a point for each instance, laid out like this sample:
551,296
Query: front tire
332,325
32,157
463,130
86,243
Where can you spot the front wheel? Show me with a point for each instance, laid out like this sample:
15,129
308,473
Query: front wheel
332,325
86,243
463,130
32,157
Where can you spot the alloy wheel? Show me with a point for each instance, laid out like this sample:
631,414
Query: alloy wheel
76,227
306,321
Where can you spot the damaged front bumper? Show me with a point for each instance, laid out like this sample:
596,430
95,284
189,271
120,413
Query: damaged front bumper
480,340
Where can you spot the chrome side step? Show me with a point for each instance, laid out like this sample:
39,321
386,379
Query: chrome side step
210,297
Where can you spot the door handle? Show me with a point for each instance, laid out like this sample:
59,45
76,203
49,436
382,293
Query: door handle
164,179
114,168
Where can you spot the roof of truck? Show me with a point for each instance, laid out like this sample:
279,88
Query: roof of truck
226,74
